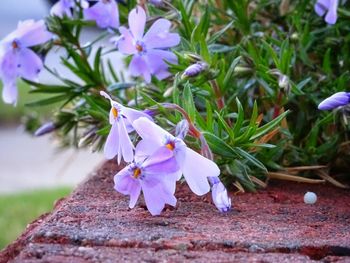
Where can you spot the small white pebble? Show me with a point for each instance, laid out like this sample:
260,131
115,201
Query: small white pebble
310,198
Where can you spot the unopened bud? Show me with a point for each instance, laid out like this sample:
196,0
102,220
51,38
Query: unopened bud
194,70
45,128
219,195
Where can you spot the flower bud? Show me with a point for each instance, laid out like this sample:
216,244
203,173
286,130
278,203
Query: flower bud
336,100
45,128
194,70
219,194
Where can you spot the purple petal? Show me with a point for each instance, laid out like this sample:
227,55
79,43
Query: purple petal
144,149
159,157
336,100
105,14
196,169
331,16
137,22
125,143
156,62
132,115
138,67
8,66
9,93
150,131
124,183
29,64
126,43
322,6
156,195
158,35
33,33
61,8
112,143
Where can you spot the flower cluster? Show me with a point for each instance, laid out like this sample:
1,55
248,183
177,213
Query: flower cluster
159,161
195,60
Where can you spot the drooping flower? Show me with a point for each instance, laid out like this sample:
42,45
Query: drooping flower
336,100
148,51
155,176
328,7
219,194
118,142
195,168
17,59
105,13
65,7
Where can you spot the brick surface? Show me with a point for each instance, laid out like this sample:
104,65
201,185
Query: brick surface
94,224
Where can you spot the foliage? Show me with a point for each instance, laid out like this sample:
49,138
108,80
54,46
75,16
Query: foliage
269,64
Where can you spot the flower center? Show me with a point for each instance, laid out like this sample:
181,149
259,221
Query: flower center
137,173
115,112
170,146
15,44
139,48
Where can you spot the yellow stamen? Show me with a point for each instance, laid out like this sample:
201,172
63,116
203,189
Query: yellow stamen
139,48
137,173
115,112
170,146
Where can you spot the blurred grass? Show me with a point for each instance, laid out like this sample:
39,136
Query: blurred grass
18,210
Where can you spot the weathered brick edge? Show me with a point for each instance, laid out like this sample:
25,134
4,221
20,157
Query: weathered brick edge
274,225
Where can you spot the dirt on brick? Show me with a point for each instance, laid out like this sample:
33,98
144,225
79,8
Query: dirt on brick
95,224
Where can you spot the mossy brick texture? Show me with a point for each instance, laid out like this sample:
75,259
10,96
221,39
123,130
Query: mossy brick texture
94,224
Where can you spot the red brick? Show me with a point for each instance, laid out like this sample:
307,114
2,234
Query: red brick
94,224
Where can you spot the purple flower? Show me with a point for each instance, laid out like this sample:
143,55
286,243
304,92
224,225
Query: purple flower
219,194
105,13
336,100
327,6
64,7
118,141
17,59
147,50
195,168
155,175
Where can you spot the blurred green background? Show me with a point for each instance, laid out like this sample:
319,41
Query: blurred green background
18,210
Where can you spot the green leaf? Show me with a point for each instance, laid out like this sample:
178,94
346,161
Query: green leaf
188,102
269,126
218,146
239,121
48,101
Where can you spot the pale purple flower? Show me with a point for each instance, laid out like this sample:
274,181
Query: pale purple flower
155,175
118,142
17,59
148,51
195,168
65,7
328,7
336,100
105,13
219,194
